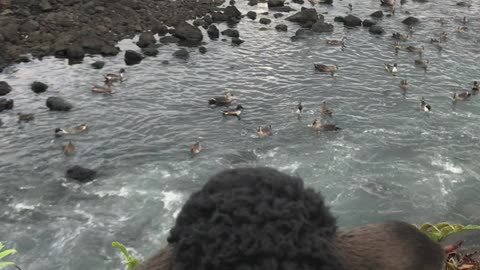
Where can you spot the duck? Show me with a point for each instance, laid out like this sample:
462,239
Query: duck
424,106
391,68
106,89
317,125
226,99
400,37
336,42
415,49
388,2
476,86
69,149
69,131
233,112
404,85
299,108
112,77
461,29
313,2
462,96
437,43
444,36
422,63
325,110
397,46
263,132
25,117
326,68
196,148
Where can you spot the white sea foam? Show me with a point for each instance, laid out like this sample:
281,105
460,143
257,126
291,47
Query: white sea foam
172,199
24,206
447,165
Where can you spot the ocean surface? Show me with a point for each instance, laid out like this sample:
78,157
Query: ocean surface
389,161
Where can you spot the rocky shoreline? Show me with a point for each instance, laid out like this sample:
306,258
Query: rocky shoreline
72,28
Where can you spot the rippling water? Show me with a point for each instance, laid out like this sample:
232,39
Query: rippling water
390,161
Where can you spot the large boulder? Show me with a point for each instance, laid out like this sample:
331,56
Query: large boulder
81,174
321,27
169,39
237,41
252,15
98,64
411,21
132,57
281,27
75,52
276,3
202,50
377,14
58,104
182,54
6,104
160,29
150,51
219,17
368,23
39,87
146,39
5,88
231,33
188,32
377,30
282,9
232,12
213,32
265,21
352,21
306,16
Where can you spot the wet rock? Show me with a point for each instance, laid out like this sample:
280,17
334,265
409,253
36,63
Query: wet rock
132,57
182,54
81,174
411,21
276,3
213,32
5,88
6,104
368,23
39,87
45,5
265,21
169,39
29,26
339,19
160,29
219,17
150,51
252,2
306,16
277,15
198,22
146,39
282,9
252,15
237,41
377,30
263,29
300,2
202,50
303,33
207,19
75,52
23,59
321,27
281,27
377,14
232,2
352,21
109,50
165,62
58,104
231,33
232,11
98,64
188,32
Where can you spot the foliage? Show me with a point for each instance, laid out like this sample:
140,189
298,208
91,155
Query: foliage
130,261
458,261
440,231
4,254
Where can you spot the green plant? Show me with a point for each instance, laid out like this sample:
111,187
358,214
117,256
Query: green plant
130,261
440,231
4,254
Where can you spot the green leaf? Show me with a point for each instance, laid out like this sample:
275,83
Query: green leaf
130,261
122,248
5,264
1,246
7,252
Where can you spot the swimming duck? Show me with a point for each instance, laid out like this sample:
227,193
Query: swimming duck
195,148
461,29
317,125
299,108
233,112
69,149
437,43
326,68
424,106
74,130
422,63
112,77
462,96
388,2
391,68
400,37
263,132
336,42
404,85
444,36
325,110
226,99
25,117
415,49
106,89
397,46
476,86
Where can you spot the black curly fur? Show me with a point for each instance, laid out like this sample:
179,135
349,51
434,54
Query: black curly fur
249,219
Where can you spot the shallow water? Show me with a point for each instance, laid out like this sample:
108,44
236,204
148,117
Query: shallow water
390,161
